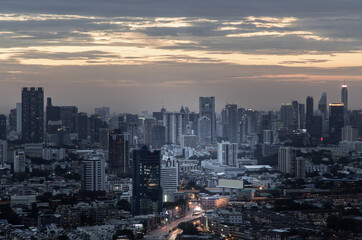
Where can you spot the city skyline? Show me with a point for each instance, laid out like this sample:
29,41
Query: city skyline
135,56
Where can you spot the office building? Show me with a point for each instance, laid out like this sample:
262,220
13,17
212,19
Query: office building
158,136
146,185
93,174
32,102
349,133
207,109
19,161
336,122
227,153
286,116
132,128
118,153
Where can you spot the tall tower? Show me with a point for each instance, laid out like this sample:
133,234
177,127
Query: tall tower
207,109
147,191
344,97
32,104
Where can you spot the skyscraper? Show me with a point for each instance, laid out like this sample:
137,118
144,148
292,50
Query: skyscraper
207,109
322,105
118,153
336,122
173,126
32,102
68,115
147,191
52,112
344,97
12,120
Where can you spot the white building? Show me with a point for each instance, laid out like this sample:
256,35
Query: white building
169,179
93,174
227,153
19,161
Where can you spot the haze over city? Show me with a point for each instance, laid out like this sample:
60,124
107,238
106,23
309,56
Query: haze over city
136,55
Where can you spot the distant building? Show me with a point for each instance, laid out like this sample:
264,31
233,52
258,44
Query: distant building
173,126
344,97
2,127
3,152
207,109
68,116
82,123
349,133
289,163
19,161
32,101
188,141
227,153
93,174
231,123
213,202
103,112
147,191
204,131
336,122
118,153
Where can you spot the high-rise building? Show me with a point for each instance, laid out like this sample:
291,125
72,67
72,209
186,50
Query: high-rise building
349,133
52,112
286,116
12,120
204,130
18,117
173,126
2,127
3,152
32,102
336,122
322,105
227,153
132,128
95,124
93,174
289,163
146,185
158,136
118,153
149,124
19,161
231,122
82,126
103,112
169,179
68,116
309,113
207,109
344,97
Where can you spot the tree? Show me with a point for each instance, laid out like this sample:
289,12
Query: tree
188,228
126,232
124,205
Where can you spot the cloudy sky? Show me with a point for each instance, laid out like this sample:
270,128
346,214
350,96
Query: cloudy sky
135,55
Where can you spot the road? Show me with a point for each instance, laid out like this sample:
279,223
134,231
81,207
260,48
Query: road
160,233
